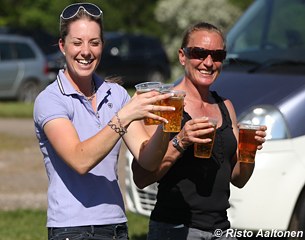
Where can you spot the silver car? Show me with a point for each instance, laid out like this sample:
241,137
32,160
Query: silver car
23,68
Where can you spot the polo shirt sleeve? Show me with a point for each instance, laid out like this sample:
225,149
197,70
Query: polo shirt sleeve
48,106
126,97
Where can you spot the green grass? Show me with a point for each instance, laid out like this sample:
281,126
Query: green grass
30,225
138,226
22,224
16,110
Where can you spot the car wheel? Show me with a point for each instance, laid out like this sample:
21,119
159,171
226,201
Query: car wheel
297,222
28,91
155,76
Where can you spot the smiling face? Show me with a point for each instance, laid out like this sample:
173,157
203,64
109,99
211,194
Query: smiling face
202,72
82,48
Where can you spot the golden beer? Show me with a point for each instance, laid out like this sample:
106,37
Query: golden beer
174,118
165,87
204,150
151,121
247,144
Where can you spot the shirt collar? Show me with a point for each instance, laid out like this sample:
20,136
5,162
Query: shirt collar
66,87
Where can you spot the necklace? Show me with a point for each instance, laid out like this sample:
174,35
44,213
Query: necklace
93,92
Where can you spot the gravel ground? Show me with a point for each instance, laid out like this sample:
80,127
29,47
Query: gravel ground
22,174
23,180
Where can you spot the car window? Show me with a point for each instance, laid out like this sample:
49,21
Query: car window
247,34
5,51
287,25
271,30
278,33
24,51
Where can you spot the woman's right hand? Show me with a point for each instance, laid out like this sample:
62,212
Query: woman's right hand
142,105
194,131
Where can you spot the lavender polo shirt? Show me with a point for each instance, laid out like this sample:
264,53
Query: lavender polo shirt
73,199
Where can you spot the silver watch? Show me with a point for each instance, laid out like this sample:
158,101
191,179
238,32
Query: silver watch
176,145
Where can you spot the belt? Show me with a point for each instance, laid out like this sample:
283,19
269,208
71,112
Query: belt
92,229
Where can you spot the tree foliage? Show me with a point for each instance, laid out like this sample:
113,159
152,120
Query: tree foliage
124,15
241,4
28,14
177,15
166,19
119,15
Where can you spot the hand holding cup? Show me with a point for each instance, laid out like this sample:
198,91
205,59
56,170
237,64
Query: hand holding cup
247,144
174,117
204,150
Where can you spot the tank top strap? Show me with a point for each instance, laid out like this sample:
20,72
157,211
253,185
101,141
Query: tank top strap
223,107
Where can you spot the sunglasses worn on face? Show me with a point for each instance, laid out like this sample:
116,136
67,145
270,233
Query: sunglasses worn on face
71,10
201,53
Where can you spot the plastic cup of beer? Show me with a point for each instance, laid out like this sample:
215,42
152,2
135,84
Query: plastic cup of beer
166,87
247,144
204,150
174,118
150,121
146,87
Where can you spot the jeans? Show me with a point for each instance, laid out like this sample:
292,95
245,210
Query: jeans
102,232
167,231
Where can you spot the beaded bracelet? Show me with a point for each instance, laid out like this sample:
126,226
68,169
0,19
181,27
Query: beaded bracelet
120,130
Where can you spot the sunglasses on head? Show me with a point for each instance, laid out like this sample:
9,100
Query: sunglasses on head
71,10
201,53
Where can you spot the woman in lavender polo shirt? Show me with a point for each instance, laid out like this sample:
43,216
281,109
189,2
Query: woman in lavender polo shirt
80,120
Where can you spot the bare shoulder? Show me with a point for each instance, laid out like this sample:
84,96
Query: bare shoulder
231,110
228,104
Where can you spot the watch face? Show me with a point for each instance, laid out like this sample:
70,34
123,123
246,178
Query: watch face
176,144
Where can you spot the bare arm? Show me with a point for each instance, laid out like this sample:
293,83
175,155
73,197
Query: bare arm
242,171
143,177
82,156
187,136
150,152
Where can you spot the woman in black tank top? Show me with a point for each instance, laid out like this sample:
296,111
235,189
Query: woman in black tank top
193,193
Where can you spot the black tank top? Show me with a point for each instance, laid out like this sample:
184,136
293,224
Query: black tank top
196,191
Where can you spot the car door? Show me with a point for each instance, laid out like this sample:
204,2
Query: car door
8,67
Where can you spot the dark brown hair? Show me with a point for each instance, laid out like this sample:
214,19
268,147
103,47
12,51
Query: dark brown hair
65,23
198,27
